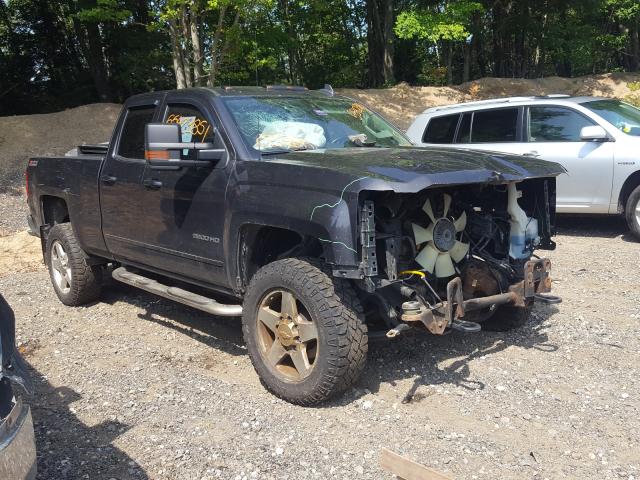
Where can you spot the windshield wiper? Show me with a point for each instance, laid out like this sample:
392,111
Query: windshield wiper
283,150
275,152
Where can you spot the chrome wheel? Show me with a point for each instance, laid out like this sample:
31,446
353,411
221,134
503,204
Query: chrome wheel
638,213
60,268
287,337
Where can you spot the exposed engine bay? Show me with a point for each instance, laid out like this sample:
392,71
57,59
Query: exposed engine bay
450,257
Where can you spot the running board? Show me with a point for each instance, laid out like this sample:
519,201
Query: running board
177,294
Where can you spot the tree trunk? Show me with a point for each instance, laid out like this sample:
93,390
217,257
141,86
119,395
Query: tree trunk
215,46
184,45
635,47
97,64
293,52
466,53
227,42
376,77
176,55
380,37
498,53
478,43
389,76
541,48
449,50
196,47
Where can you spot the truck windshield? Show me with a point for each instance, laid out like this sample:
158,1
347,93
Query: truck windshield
275,124
619,114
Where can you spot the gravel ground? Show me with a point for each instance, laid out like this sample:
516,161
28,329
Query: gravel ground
13,217
139,387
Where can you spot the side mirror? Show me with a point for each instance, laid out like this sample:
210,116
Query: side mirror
594,133
158,137
163,144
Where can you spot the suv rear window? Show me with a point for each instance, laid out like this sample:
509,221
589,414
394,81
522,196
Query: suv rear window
441,129
132,136
494,126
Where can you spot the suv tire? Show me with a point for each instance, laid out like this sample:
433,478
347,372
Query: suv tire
74,280
632,212
507,317
304,330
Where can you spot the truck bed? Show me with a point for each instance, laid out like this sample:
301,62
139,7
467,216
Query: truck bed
74,179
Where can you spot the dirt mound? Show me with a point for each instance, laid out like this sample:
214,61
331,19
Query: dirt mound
20,253
25,136
606,85
402,103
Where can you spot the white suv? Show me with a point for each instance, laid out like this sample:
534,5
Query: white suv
596,139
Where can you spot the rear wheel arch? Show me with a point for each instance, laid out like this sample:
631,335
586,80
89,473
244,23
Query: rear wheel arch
54,210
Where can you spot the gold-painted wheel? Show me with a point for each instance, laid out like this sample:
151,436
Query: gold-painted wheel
304,330
287,337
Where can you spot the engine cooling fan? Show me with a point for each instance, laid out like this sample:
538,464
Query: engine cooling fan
442,245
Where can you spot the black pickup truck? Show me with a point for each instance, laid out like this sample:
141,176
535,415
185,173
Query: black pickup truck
306,214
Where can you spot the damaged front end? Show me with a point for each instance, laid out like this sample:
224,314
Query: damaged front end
455,257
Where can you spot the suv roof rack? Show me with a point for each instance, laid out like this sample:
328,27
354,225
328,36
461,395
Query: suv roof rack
555,95
294,88
493,101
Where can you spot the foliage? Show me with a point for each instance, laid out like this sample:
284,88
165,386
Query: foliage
61,53
432,75
634,97
445,21
104,11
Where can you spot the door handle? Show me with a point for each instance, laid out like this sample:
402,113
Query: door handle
532,153
108,179
152,184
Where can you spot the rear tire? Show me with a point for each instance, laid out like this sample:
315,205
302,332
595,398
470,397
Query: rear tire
304,330
632,212
507,317
74,280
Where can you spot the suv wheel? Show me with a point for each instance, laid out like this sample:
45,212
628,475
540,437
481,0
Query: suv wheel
304,331
632,212
74,281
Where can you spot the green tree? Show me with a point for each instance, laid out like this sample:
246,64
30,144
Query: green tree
441,25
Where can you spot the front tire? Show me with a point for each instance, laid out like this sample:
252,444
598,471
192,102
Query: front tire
74,280
304,331
632,212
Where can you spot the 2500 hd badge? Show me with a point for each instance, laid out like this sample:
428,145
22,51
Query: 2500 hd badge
205,238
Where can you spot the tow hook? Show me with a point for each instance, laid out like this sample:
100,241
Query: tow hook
395,331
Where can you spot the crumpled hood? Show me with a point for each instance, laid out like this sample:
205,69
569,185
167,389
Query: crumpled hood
418,168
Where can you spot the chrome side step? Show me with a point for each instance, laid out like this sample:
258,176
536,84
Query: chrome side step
177,294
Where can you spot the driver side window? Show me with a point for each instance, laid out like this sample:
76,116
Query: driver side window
555,124
194,126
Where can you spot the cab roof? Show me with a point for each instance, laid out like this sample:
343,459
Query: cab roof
242,91
270,91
